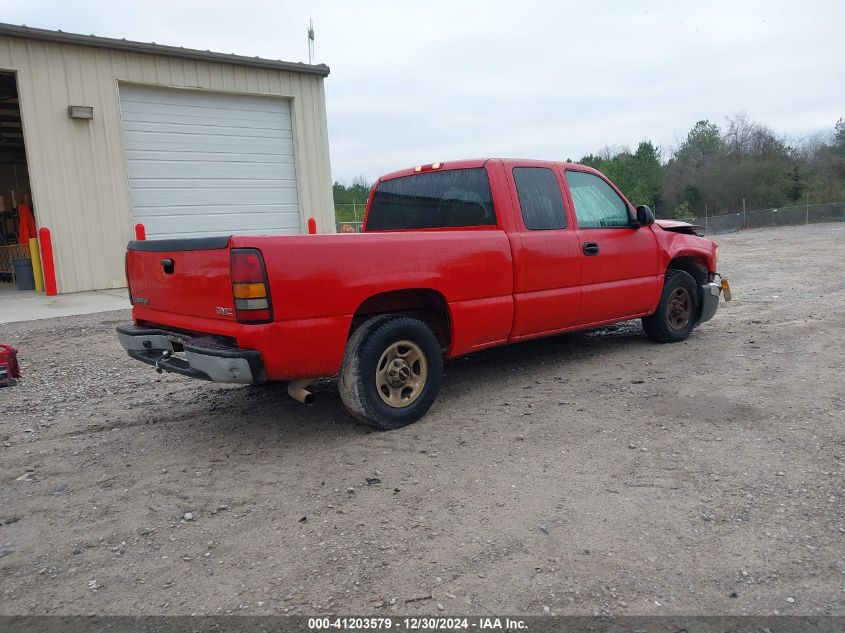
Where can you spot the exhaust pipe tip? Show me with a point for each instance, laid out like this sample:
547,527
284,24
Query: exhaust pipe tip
297,390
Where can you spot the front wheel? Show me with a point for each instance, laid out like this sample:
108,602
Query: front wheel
391,371
677,311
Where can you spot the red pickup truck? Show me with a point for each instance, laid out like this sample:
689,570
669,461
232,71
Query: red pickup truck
454,258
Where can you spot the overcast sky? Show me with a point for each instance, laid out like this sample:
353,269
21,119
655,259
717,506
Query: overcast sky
418,82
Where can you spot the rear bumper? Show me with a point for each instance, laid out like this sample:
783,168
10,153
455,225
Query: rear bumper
204,357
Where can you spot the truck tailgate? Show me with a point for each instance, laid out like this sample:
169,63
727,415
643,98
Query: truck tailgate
183,276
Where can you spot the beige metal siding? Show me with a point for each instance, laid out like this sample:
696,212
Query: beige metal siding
78,169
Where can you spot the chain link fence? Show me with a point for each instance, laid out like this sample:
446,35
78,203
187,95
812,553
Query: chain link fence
349,217
760,218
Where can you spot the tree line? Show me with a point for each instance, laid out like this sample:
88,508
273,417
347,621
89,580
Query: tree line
725,169
715,169
356,193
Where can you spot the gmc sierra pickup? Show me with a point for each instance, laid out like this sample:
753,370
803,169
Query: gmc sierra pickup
455,257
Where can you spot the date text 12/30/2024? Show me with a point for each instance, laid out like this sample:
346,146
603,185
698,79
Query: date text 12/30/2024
416,624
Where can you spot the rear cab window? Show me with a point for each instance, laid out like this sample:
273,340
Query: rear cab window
540,198
431,200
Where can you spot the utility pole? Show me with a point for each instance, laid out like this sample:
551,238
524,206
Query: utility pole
310,41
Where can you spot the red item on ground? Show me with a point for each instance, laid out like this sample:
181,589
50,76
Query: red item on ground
9,367
26,224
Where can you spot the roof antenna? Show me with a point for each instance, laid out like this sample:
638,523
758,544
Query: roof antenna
310,41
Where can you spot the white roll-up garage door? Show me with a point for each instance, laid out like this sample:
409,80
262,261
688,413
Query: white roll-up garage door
208,163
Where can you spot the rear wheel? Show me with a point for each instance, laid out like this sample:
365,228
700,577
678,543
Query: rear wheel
677,311
391,371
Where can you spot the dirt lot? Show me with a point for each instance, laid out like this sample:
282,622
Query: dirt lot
589,473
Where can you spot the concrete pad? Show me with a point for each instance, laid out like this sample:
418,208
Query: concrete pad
27,305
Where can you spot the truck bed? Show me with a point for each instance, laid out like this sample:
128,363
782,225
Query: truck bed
318,282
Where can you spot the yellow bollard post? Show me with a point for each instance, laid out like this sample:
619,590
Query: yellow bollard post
35,255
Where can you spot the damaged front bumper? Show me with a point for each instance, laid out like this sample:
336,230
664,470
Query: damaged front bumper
710,293
203,357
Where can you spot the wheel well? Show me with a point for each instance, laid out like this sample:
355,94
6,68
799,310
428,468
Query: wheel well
695,266
429,306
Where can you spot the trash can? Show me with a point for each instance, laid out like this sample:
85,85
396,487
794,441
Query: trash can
23,274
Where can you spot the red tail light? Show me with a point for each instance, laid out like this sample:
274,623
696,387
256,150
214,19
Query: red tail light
249,286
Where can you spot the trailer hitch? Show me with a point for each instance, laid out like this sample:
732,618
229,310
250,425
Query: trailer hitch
165,355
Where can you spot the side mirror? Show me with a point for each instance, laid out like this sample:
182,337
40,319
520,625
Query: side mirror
645,215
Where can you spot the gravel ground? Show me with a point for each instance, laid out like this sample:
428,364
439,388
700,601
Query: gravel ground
587,473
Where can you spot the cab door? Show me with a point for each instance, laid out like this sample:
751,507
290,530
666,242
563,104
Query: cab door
619,270
547,270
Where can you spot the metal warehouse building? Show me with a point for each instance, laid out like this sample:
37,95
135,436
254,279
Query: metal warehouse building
99,135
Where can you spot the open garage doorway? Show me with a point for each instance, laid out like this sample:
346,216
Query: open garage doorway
17,215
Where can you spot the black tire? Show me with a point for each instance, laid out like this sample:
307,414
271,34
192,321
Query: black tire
678,310
368,356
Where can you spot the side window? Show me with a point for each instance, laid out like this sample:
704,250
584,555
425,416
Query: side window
539,198
597,205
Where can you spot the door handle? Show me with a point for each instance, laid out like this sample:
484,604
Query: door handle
590,248
168,266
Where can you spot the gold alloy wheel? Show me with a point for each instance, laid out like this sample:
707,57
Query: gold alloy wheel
680,309
401,374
